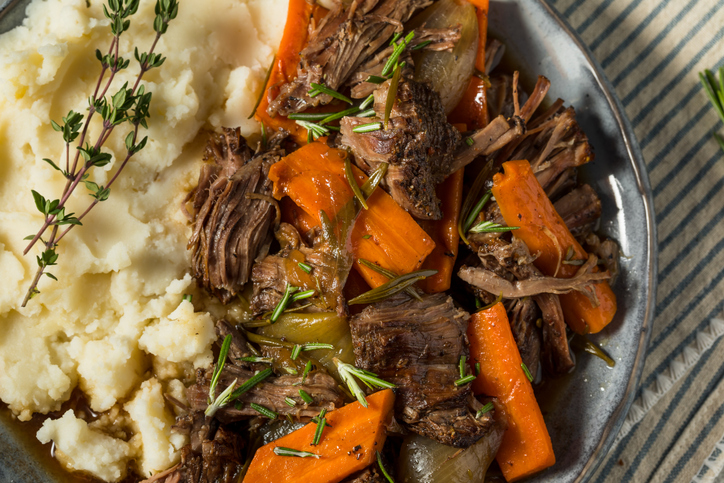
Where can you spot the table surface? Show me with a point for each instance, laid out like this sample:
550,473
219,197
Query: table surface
652,51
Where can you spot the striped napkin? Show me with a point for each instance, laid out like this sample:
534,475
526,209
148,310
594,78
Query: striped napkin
652,51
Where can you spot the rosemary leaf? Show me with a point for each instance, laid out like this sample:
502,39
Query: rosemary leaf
321,423
339,115
476,210
485,409
219,367
353,183
348,372
527,371
367,102
322,89
308,116
295,352
392,94
465,380
490,227
251,382
282,451
306,268
305,396
263,411
392,287
263,87
288,291
382,468
290,402
389,274
369,127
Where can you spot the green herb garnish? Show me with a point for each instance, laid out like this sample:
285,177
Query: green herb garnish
263,411
715,93
303,295
389,274
461,366
290,402
348,372
392,287
281,451
295,351
224,398
322,89
321,423
465,380
308,116
225,345
305,396
392,94
251,382
128,105
306,268
366,103
527,371
369,127
485,409
353,183
490,227
263,87
288,291
266,360
382,468
188,298
467,208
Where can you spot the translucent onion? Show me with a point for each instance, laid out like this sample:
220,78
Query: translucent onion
423,460
324,327
449,73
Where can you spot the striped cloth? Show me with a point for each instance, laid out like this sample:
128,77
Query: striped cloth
651,51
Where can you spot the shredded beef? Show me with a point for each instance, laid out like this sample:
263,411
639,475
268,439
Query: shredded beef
344,39
417,345
232,212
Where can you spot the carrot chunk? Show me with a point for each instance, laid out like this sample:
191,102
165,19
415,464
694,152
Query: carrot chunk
445,234
385,234
301,14
347,445
524,203
526,446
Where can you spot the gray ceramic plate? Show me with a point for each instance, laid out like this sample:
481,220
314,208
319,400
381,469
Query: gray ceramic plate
584,410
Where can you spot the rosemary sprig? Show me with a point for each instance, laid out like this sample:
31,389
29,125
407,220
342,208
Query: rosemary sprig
322,89
314,131
389,274
321,423
367,102
715,92
305,396
127,105
263,411
369,127
282,451
224,398
307,368
251,382
392,287
490,227
353,183
339,115
219,367
290,402
308,116
265,360
348,372
466,210
263,87
476,210
485,409
465,380
526,371
382,468
288,291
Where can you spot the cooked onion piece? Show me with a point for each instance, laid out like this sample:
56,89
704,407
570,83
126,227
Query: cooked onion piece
449,73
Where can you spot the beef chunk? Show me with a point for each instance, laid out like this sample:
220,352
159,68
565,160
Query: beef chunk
523,314
270,393
418,144
417,345
344,39
232,212
271,275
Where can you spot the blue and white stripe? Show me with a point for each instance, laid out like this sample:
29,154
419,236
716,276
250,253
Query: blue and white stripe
652,51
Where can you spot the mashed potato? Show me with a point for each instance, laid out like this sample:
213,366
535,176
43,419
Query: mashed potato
116,315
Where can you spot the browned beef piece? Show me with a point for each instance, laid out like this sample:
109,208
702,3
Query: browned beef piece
607,252
553,144
512,263
217,460
523,314
270,393
345,38
579,208
232,212
417,345
502,134
271,275
418,145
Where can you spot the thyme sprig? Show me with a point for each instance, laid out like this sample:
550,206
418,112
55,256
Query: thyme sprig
128,105
348,372
715,93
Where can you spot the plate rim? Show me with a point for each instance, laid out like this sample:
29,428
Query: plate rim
643,184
